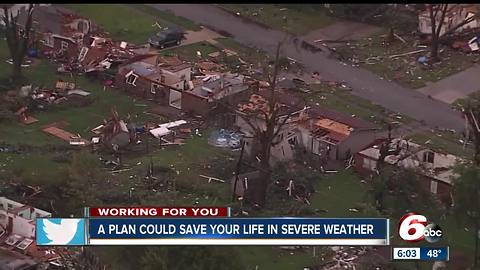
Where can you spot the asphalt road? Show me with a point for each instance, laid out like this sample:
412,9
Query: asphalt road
364,83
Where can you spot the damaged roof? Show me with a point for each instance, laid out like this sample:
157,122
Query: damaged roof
409,155
169,63
332,125
220,85
152,66
95,54
142,68
328,119
258,103
327,129
354,122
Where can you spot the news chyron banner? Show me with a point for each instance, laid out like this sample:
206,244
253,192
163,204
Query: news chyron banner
204,226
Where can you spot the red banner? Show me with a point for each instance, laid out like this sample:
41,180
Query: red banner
158,211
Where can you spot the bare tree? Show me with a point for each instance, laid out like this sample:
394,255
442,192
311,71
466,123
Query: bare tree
467,186
265,134
18,39
471,110
437,14
436,27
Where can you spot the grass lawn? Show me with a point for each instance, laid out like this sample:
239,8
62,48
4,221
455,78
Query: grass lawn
298,22
167,16
247,61
37,166
132,23
372,53
189,52
338,192
189,161
248,54
80,120
444,142
32,168
266,258
341,100
461,102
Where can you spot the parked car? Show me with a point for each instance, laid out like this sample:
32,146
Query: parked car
166,38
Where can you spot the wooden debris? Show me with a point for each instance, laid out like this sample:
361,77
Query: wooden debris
210,178
405,54
121,170
61,85
400,38
475,121
28,120
171,143
64,135
350,162
175,142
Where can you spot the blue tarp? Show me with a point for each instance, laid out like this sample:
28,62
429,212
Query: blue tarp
225,138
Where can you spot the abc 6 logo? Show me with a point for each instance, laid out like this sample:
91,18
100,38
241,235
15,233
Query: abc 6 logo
413,228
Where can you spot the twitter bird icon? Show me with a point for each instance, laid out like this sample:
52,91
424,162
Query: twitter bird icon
60,231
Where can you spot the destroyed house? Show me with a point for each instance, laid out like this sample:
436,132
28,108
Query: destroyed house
225,89
57,30
332,135
17,237
19,219
436,169
327,134
252,114
100,54
160,78
455,15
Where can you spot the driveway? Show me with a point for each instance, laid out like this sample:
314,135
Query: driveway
459,85
365,84
190,37
202,35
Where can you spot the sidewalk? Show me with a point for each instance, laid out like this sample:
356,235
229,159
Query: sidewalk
456,86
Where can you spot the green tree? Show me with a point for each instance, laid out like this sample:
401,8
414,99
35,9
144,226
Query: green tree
84,175
467,203
471,110
379,191
85,259
155,258
398,190
18,39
